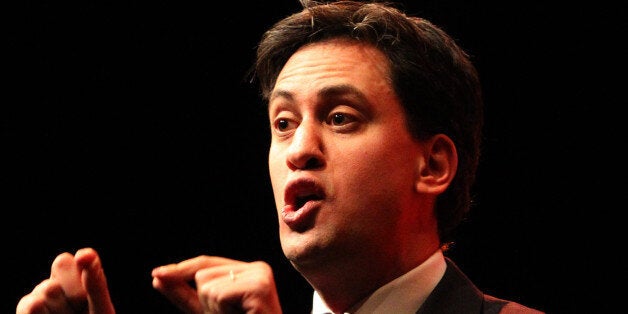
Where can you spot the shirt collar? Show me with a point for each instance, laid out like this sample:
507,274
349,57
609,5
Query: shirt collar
404,294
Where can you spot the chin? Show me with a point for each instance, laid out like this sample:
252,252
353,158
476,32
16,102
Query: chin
300,250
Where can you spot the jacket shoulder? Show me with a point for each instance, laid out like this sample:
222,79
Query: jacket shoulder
455,293
493,305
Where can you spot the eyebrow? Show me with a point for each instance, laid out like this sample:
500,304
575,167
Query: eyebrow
341,90
326,92
280,93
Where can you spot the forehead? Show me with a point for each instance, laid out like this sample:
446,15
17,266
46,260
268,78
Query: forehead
336,62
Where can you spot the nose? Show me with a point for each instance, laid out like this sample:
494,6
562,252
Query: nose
306,149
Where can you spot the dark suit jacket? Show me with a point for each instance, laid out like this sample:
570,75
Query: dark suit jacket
456,294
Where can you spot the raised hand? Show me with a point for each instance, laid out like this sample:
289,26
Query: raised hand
77,284
211,284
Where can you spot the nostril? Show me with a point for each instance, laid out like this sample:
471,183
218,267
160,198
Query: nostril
312,163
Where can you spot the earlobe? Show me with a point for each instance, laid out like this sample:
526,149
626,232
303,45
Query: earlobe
437,165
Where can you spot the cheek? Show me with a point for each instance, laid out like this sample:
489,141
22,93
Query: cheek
277,171
381,164
380,176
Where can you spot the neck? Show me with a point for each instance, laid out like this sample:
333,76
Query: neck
342,289
343,284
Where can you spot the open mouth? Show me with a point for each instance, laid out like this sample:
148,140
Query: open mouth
299,192
301,200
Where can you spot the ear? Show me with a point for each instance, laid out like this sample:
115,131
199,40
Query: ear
437,165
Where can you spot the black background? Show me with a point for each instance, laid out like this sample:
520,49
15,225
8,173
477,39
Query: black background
130,127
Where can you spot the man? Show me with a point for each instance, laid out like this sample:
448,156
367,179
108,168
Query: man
376,120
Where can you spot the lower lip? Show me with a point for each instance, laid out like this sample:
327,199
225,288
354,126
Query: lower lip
298,218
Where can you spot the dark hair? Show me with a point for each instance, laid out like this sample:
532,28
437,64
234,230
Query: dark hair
434,78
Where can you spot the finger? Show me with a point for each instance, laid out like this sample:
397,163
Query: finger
222,272
65,273
95,282
175,281
212,291
30,304
216,297
45,298
185,270
222,290
238,288
179,293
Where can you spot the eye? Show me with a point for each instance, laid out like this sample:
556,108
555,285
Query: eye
282,124
338,119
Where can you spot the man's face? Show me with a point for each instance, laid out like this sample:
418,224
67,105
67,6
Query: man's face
342,162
